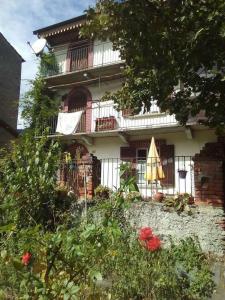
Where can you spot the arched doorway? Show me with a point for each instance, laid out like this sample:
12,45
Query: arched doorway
80,99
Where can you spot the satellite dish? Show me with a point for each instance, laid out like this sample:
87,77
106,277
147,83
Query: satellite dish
38,46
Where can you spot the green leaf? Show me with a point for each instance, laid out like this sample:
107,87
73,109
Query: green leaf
17,264
95,275
7,228
66,296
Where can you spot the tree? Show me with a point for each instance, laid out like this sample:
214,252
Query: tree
166,42
39,102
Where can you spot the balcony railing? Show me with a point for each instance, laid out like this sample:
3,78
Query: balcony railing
81,58
49,126
104,117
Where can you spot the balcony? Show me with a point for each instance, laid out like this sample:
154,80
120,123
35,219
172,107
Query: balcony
103,117
83,57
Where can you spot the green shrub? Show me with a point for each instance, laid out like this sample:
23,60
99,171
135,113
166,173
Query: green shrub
179,202
47,252
102,192
29,181
80,260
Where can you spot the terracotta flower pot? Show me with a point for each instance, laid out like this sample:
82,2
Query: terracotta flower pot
158,197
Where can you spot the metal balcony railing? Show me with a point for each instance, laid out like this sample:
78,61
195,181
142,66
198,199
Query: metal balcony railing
49,126
178,174
81,58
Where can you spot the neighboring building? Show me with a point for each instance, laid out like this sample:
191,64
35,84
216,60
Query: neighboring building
84,71
10,77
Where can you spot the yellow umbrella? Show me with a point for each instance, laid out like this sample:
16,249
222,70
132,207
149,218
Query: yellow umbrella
154,169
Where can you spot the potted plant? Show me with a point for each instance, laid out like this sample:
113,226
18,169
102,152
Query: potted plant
179,202
105,123
158,196
182,174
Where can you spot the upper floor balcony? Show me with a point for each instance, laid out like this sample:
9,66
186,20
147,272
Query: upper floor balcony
103,118
82,56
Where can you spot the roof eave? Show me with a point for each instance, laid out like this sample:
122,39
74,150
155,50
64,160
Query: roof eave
54,26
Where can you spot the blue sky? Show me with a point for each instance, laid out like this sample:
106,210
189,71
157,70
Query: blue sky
19,18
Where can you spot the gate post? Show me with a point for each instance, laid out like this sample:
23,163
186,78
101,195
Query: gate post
88,176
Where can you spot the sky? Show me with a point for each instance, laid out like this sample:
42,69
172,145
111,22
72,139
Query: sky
19,18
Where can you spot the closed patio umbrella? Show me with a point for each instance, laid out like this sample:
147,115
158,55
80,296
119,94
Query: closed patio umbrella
154,169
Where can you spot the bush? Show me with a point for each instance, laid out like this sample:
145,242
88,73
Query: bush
180,202
28,184
102,192
47,252
79,261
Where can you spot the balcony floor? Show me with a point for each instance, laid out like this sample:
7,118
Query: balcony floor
77,77
120,133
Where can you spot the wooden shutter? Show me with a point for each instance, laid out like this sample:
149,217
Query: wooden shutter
128,154
168,164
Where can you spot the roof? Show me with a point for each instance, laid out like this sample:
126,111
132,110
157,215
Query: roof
60,24
2,37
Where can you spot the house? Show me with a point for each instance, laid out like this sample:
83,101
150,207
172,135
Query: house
84,70
10,76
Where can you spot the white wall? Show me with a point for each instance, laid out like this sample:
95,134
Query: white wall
108,149
99,90
61,55
183,145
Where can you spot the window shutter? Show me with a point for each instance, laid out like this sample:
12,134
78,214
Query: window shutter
128,154
168,164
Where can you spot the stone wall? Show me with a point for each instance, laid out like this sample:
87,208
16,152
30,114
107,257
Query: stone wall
204,223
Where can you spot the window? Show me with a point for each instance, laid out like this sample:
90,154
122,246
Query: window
141,156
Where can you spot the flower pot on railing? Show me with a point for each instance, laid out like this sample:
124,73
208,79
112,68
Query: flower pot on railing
182,174
106,123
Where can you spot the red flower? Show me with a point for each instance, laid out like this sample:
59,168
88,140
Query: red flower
26,258
153,244
145,233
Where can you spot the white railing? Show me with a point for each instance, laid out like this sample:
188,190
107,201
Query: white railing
105,112
105,117
103,54
83,57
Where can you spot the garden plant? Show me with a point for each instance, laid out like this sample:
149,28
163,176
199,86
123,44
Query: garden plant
47,252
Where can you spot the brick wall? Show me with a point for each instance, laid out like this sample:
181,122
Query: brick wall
10,76
88,169
82,176
209,173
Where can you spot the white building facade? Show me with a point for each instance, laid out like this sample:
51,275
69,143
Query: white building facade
84,72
